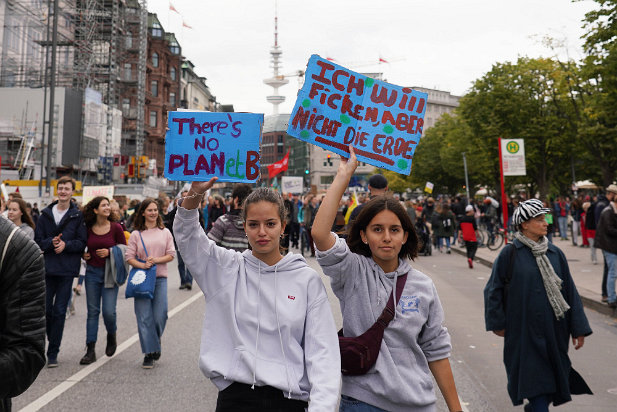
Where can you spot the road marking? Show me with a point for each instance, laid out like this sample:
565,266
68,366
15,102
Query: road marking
79,376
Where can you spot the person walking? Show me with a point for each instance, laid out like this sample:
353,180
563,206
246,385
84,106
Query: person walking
228,230
444,223
18,214
22,305
606,240
467,226
601,204
269,341
364,272
531,301
150,233
562,210
590,230
61,235
103,234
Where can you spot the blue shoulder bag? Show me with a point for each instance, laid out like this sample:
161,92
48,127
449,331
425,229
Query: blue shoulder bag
141,282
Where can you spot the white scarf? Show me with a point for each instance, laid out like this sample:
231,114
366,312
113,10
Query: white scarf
552,282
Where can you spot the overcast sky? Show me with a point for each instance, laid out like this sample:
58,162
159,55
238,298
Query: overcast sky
442,44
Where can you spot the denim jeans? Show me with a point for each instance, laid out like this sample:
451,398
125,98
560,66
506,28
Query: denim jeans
185,276
447,240
611,262
563,226
349,404
57,296
95,293
151,317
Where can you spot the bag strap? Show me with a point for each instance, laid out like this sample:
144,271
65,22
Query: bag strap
143,244
6,245
388,312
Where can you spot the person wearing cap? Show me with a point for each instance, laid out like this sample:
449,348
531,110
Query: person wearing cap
606,240
531,301
377,186
467,225
599,206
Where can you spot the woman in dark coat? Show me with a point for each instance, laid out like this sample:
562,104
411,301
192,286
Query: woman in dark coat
537,311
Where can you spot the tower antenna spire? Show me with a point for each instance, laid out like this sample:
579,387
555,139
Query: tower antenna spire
276,80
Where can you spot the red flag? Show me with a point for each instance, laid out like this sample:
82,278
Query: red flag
172,8
278,167
186,25
382,60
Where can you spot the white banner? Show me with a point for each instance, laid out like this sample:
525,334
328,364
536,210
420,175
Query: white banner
513,157
150,192
292,184
90,192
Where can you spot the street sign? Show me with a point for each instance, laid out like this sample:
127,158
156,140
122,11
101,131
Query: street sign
513,157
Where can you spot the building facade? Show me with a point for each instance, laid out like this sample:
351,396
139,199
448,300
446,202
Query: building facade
439,102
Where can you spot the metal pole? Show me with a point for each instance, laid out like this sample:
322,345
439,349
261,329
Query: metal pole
52,93
466,177
45,78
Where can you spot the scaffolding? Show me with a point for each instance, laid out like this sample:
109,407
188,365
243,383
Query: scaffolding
96,41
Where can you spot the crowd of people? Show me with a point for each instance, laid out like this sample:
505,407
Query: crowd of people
269,336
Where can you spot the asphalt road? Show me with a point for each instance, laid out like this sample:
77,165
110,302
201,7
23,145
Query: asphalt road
176,383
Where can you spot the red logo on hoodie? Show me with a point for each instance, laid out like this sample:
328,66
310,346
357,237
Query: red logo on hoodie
291,297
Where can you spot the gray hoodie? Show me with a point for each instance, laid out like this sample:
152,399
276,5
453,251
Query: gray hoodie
401,379
264,325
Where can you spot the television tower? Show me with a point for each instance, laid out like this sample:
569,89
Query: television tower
276,80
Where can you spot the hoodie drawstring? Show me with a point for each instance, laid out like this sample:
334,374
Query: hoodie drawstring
258,310
278,326
394,293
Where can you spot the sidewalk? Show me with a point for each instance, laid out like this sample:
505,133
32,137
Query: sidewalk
587,277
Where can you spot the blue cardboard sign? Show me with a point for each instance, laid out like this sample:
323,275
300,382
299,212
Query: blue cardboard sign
200,145
337,107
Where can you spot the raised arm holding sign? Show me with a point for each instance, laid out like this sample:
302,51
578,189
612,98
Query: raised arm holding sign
337,107
202,145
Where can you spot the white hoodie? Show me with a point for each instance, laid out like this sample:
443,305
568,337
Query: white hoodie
281,313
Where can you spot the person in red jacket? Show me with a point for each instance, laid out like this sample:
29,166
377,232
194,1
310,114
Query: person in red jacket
468,227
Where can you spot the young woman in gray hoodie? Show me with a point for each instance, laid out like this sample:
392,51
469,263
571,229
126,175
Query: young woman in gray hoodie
363,271
269,340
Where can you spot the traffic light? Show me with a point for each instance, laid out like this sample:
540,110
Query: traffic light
306,172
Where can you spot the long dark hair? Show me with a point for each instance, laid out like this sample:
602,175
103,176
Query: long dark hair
368,212
140,220
25,216
263,194
91,206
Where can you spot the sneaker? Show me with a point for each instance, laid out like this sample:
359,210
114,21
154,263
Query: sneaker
182,286
448,251
148,362
612,305
188,286
470,263
156,355
52,363
604,299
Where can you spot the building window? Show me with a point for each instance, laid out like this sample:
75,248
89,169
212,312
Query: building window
126,105
155,60
157,30
280,138
279,149
128,71
153,118
173,73
326,180
128,42
172,99
174,47
154,88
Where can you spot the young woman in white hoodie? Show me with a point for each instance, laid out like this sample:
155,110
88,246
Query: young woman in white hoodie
269,341
363,272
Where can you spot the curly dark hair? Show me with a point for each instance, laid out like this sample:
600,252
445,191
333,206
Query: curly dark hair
90,216
368,212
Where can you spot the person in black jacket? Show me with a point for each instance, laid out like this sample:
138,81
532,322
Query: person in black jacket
22,315
606,240
599,206
61,235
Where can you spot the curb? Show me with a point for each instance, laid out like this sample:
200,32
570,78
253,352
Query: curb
588,302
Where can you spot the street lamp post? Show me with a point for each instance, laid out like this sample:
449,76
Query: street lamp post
466,177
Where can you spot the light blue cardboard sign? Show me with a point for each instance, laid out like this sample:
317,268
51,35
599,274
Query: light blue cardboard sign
337,107
200,145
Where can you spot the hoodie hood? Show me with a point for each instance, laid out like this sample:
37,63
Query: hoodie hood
290,262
